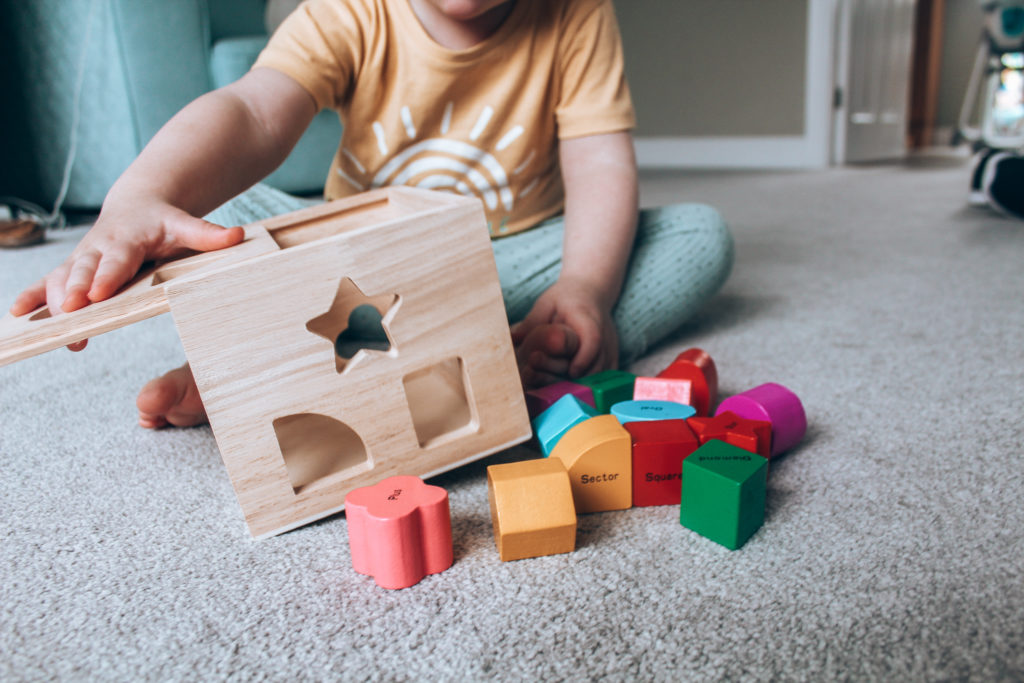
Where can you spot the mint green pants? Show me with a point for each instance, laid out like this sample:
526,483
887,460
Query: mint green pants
682,255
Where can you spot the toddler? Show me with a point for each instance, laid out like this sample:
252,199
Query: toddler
522,103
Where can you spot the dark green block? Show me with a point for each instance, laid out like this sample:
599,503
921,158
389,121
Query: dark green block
723,493
609,387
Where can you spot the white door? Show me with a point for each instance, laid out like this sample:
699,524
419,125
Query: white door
873,65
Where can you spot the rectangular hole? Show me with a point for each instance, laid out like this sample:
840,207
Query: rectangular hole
440,402
320,226
169,271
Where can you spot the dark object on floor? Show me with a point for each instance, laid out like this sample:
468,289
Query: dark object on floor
976,196
20,232
1004,183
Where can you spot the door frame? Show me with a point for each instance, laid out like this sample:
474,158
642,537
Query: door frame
813,149
843,51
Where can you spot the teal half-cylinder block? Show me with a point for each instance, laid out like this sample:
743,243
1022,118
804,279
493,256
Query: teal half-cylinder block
609,387
560,417
723,493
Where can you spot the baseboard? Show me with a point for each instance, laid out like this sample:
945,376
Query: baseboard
943,136
752,152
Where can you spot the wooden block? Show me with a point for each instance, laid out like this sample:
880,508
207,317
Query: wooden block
297,426
143,297
531,509
659,448
554,422
775,404
663,389
723,493
750,435
598,455
696,366
639,411
298,430
609,387
539,400
399,531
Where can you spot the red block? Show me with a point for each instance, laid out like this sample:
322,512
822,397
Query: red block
750,435
659,448
399,530
696,366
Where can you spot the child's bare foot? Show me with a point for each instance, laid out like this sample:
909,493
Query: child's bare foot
544,354
172,399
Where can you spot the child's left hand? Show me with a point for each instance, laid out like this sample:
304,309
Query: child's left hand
568,333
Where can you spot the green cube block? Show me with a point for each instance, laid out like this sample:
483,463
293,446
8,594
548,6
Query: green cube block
723,493
609,387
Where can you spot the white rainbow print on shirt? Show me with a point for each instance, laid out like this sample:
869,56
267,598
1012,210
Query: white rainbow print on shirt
444,163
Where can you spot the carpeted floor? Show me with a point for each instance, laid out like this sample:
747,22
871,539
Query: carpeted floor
892,548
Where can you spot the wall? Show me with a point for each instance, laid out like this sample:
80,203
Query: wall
716,67
962,29
709,75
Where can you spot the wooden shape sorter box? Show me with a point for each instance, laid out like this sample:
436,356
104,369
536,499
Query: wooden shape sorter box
297,424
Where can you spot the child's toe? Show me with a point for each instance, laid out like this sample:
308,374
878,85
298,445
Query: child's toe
171,399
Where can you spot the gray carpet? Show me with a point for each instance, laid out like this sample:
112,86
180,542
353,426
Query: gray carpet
892,548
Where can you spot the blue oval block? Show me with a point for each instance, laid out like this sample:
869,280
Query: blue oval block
640,411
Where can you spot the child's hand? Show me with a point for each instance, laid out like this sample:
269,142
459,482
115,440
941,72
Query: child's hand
110,254
568,333
210,151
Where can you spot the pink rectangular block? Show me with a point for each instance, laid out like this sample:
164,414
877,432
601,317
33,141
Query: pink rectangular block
663,389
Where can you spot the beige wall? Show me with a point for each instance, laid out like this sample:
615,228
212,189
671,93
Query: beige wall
730,68
961,33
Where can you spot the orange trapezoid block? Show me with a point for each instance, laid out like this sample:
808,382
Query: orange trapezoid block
531,508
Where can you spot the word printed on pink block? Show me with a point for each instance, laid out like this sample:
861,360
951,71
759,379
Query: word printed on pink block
662,389
399,530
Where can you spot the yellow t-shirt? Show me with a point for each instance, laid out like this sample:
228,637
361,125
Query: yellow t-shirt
484,121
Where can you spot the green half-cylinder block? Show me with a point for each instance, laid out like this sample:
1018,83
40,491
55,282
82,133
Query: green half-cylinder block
609,387
723,493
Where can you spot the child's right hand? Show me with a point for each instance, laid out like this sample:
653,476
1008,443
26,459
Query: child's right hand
210,151
124,237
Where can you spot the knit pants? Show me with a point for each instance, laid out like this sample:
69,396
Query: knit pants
682,255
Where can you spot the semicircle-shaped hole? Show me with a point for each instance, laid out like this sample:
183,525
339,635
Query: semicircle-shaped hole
316,447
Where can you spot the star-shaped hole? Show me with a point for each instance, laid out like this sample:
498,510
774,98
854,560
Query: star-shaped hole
356,323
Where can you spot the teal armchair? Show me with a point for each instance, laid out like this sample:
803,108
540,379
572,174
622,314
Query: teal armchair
145,60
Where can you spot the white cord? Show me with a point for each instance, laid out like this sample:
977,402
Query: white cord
55,219
34,211
52,218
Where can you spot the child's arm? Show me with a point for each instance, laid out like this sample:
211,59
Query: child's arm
601,196
213,149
